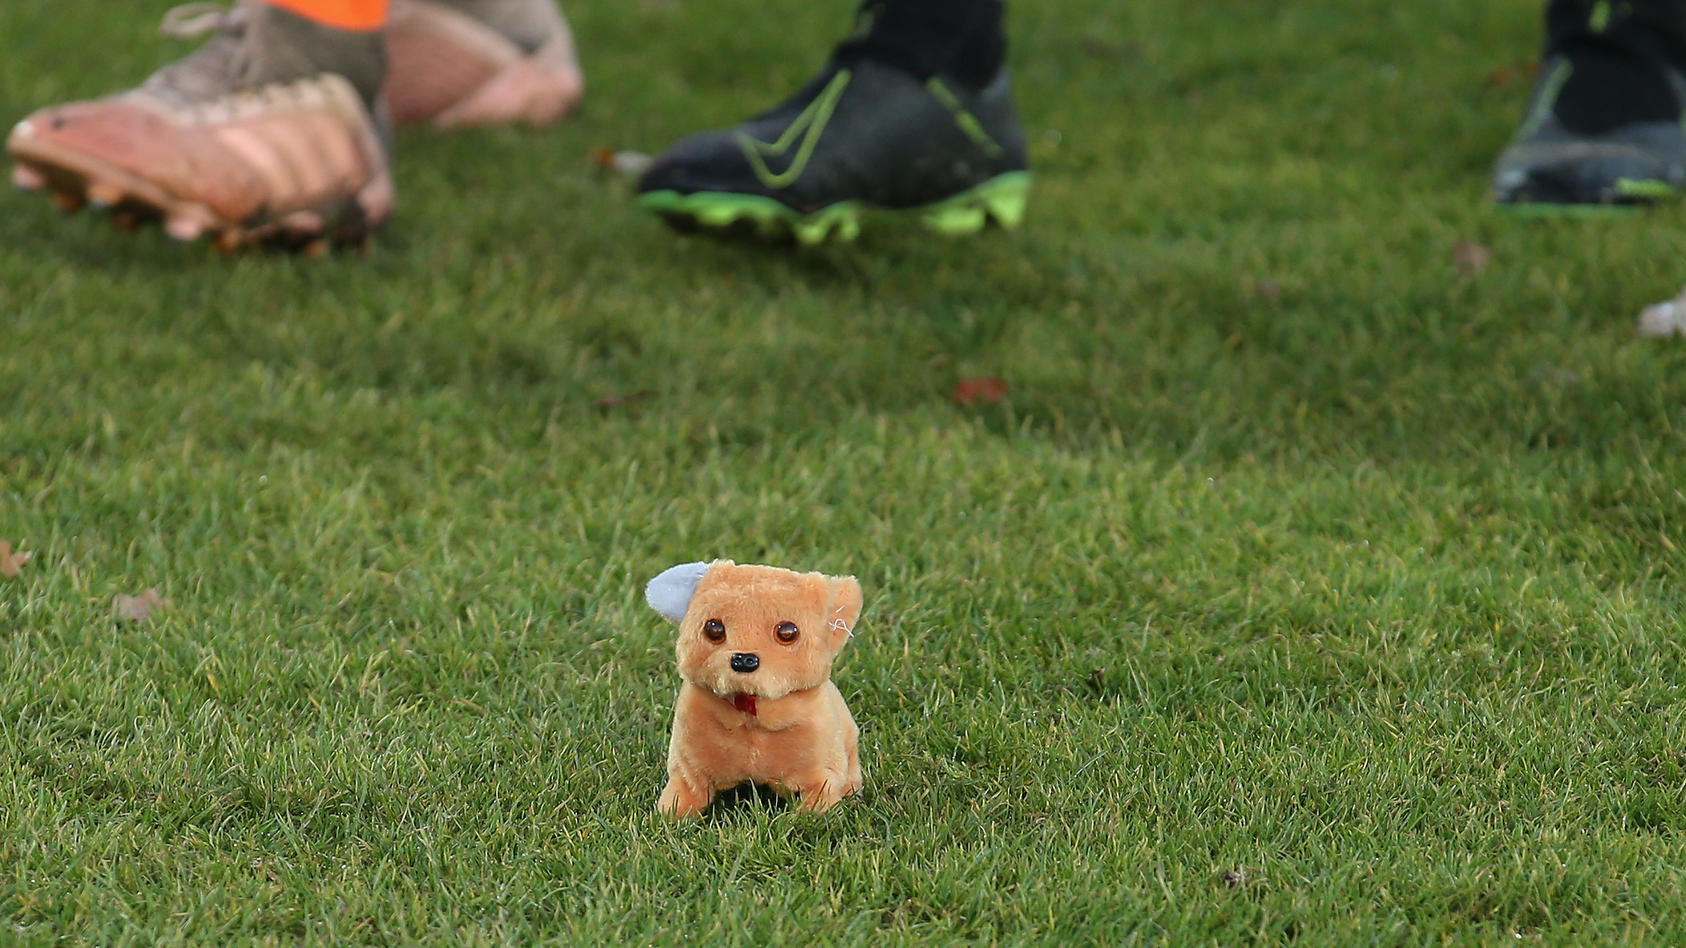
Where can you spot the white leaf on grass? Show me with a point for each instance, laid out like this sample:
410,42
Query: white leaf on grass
1668,318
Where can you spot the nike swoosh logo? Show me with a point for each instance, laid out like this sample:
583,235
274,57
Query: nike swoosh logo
803,134
1546,101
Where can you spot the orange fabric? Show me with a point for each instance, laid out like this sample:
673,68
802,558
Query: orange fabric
342,14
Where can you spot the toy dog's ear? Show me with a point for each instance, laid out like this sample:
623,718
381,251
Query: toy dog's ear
670,593
845,608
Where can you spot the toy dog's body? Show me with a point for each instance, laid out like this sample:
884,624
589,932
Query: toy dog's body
803,743
755,650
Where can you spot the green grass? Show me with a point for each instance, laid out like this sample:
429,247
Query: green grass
1366,594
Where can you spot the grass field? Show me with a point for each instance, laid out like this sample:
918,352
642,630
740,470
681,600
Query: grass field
1302,588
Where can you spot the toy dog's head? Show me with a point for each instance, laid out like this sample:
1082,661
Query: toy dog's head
755,630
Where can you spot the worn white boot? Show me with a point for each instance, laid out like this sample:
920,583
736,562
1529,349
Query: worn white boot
267,132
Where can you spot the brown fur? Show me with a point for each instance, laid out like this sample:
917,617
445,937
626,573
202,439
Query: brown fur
801,739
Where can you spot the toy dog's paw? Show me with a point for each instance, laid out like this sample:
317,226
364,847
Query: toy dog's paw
681,801
826,794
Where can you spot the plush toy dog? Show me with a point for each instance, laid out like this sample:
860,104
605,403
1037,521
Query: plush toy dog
757,704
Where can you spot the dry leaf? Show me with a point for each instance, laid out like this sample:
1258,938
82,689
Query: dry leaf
1264,287
1238,877
608,402
1508,73
631,164
972,391
138,608
11,563
1471,258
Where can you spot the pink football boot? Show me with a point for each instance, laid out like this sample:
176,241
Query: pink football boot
275,129
266,133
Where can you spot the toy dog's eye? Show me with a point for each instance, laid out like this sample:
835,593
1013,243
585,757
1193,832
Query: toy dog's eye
786,632
714,630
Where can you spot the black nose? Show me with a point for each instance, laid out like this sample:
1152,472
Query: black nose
745,661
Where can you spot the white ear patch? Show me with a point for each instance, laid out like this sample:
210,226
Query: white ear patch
670,593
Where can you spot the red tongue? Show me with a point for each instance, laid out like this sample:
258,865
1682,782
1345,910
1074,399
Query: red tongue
744,703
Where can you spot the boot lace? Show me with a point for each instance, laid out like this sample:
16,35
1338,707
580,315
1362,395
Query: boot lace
188,20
